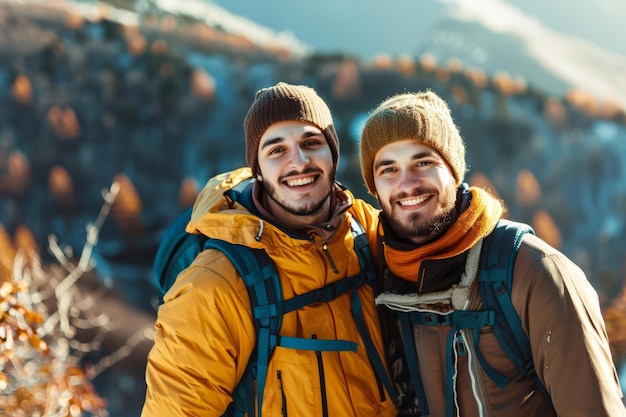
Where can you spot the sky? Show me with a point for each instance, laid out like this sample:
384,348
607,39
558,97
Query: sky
369,27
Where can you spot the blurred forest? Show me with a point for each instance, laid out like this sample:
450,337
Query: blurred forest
96,98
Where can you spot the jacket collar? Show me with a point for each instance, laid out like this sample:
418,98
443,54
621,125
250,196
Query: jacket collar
254,198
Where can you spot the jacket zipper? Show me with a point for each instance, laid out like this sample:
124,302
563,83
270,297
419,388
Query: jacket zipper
283,407
476,377
320,367
330,259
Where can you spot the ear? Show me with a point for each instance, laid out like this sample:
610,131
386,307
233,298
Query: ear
256,173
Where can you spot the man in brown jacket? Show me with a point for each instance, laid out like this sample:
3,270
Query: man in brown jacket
432,228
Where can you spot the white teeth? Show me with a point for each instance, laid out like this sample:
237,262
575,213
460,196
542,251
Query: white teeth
413,201
300,181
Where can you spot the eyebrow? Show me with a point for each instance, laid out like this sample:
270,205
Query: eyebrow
309,133
414,157
305,135
272,141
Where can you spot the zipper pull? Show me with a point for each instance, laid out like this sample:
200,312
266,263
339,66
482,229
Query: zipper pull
330,259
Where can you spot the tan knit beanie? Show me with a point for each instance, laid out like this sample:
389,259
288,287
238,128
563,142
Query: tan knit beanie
422,116
283,102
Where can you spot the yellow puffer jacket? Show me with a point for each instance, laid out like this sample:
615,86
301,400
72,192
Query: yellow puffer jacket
205,333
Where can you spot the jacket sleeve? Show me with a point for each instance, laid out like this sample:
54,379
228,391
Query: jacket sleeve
203,339
561,312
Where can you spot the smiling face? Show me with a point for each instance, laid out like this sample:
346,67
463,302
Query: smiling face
297,171
415,189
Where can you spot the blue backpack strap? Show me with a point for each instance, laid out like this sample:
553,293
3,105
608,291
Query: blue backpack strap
362,247
325,294
372,353
495,282
410,353
243,396
364,253
262,281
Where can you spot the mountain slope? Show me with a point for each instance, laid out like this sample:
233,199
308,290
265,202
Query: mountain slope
216,16
495,35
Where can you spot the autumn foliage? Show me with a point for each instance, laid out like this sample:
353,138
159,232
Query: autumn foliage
43,310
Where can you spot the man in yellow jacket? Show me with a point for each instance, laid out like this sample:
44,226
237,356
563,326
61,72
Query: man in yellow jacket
433,227
301,217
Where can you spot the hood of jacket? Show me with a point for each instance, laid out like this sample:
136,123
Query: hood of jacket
216,215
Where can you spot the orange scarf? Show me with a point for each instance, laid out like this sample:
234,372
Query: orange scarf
474,223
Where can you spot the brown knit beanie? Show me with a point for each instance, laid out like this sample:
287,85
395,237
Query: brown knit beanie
422,116
283,102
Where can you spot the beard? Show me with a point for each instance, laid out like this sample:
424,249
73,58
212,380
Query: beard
418,229
297,208
310,209
421,226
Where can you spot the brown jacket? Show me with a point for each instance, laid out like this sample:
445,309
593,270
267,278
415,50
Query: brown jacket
560,313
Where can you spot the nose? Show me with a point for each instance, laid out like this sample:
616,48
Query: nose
299,157
409,180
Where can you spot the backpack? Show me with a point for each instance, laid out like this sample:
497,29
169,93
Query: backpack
177,251
495,276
